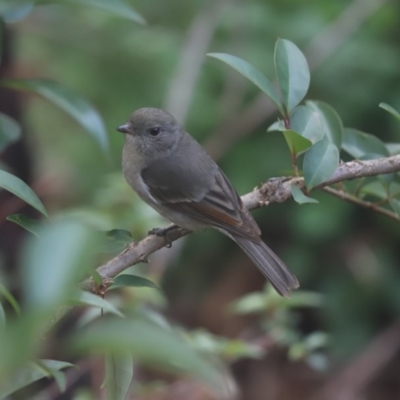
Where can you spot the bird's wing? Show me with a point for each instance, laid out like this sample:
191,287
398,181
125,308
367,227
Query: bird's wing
200,190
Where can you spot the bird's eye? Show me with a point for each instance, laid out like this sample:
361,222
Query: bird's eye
154,131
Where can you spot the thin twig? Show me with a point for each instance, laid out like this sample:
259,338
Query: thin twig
367,204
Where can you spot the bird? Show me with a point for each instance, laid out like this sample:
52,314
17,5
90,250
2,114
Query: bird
175,175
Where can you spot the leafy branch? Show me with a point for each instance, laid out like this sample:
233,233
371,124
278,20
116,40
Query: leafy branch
275,190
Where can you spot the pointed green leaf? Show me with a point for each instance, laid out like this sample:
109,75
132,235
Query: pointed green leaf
308,123
10,131
297,143
251,73
70,102
390,110
300,197
132,280
119,373
116,7
393,148
359,144
22,190
277,126
30,224
84,298
292,73
320,163
32,373
333,126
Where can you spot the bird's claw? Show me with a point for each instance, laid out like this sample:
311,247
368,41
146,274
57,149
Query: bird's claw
163,232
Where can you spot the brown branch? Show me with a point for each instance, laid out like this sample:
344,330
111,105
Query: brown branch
275,190
355,200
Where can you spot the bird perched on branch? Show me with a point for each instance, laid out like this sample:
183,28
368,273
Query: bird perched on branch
175,175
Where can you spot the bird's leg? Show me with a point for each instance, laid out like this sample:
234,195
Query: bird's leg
163,232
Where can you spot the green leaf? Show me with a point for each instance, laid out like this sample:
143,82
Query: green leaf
253,74
297,143
116,7
292,72
10,298
22,190
358,144
58,376
119,373
390,110
29,374
71,103
84,298
299,196
333,126
120,235
30,224
55,262
255,302
308,123
320,163
277,126
147,342
116,240
132,280
10,131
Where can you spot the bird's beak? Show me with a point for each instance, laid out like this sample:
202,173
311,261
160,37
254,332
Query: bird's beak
123,128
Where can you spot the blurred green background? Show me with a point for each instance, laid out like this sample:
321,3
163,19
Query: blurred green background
348,254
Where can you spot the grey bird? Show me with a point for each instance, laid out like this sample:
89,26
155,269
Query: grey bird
175,175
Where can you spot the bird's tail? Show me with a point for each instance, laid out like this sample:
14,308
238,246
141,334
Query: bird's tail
270,265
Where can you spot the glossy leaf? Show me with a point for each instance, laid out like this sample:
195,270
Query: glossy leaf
390,110
308,123
299,196
54,263
30,224
358,144
21,189
292,72
84,298
333,126
10,131
117,7
116,240
253,74
147,342
30,374
320,163
119,373
70,102
297,143
132,280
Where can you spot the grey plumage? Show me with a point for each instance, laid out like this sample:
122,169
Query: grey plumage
173,173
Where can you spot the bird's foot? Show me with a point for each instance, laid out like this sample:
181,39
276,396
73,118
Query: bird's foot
163,232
